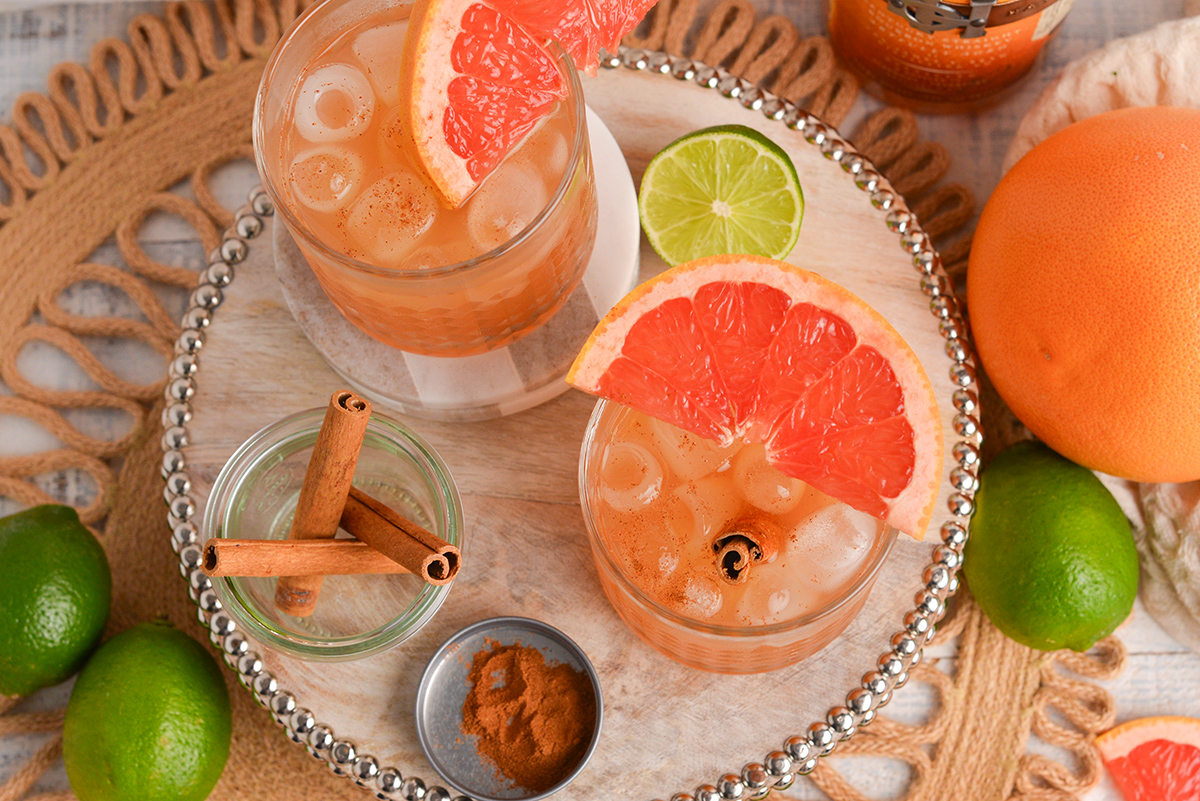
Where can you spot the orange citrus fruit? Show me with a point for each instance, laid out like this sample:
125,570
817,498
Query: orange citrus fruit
479,77
1083,292
1154,759
732,347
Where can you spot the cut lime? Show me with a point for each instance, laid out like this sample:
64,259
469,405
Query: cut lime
721,190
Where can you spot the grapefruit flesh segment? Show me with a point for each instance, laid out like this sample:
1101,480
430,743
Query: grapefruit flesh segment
733,347
582,27
1154,759
477,76
479,83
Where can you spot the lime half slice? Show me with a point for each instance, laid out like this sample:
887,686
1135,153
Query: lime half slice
721,190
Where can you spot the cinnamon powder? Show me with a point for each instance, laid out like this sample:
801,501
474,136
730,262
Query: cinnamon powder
532,719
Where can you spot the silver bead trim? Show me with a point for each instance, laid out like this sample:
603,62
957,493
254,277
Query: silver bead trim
799,754
300,725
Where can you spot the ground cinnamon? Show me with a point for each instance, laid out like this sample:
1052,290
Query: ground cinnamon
532,719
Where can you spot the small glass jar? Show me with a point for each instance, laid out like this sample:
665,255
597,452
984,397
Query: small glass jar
693,642
938,56
254,497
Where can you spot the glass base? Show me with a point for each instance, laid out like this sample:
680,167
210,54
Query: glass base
511,379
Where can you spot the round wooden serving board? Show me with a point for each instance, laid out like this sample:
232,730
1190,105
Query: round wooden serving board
667,728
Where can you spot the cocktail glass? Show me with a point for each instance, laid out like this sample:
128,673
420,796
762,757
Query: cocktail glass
643,553
443,304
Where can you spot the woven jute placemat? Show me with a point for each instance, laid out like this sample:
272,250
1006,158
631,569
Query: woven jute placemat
87,161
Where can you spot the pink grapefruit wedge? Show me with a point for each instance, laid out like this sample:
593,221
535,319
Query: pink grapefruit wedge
732,347
477,76
582,27
1154,759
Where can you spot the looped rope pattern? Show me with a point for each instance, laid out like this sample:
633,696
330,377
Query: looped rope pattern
999,692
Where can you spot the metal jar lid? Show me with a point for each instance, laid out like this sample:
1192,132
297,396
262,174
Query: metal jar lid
973,18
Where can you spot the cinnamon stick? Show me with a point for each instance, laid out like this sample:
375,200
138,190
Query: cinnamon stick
421,551
748,541
323,494
270,558
734,557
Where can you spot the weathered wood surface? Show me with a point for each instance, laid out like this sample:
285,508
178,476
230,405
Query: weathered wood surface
1161,675
527,551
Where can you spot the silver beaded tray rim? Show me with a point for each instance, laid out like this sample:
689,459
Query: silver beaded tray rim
798,755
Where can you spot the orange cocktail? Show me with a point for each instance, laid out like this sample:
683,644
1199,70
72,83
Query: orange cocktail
394,259
713,556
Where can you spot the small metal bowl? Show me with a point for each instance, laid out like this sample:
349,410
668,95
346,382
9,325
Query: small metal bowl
444,688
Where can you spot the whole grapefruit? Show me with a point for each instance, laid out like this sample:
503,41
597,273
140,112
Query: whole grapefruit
1083,292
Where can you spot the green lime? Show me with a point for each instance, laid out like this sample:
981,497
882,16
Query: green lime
55,592
1051,558
148,719
721,190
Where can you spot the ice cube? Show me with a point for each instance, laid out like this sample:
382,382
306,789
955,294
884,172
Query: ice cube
697,596
774,591
546,151
710,506
428,257
685,454
335,103
819,562
762,485
647,552
379,50
834,544
557,151
323,177
631,477
387,219
505,204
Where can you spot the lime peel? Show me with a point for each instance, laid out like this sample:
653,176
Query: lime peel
721,190
1051,558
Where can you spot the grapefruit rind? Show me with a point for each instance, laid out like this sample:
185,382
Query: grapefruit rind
1119,741
420,96
431,54
912,509
429,63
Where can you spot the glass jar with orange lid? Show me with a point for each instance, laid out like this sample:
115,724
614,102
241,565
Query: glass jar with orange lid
939,56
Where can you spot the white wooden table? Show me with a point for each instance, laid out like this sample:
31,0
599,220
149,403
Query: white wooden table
1162,678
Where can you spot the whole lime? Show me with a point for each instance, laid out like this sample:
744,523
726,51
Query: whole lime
1051,558
148,719
55,593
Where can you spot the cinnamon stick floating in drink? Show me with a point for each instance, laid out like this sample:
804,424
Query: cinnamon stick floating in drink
747,542
323,494
422,552
270,558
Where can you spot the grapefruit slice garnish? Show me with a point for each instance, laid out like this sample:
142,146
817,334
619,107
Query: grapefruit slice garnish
582,27
477,76
1154,759
743,347
477,84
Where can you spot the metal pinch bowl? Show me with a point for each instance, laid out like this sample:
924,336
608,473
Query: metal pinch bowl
443,690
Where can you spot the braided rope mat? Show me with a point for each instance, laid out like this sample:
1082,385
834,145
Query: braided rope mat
83,166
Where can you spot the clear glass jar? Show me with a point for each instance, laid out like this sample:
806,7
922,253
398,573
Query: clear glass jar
254,497
699,644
